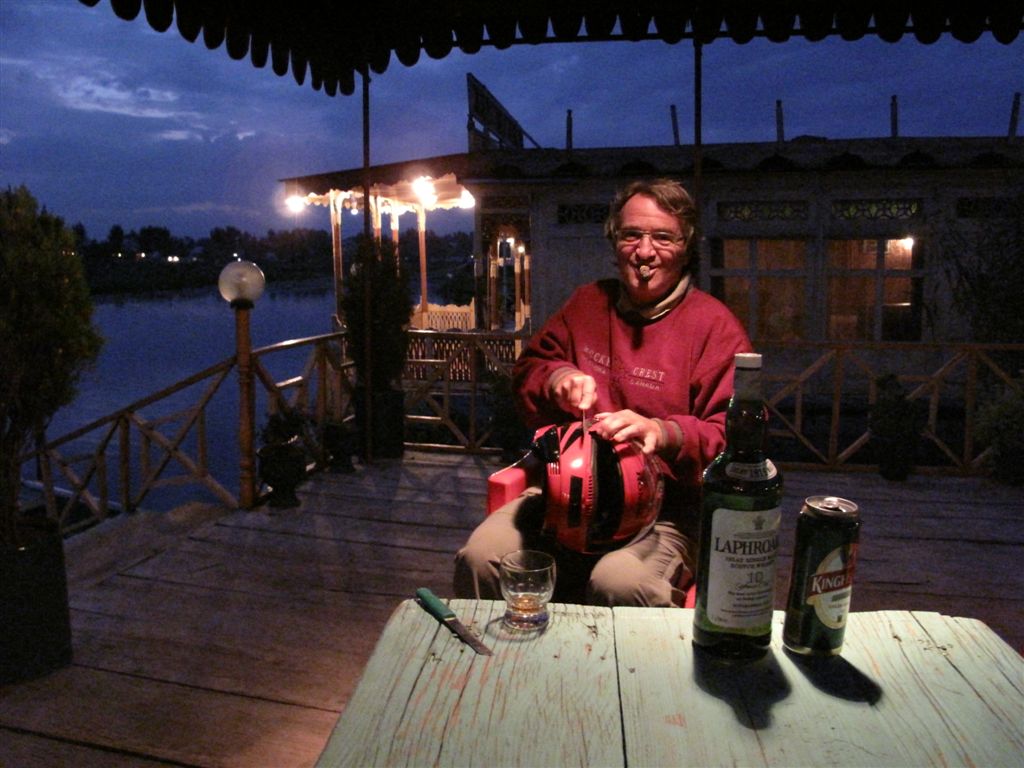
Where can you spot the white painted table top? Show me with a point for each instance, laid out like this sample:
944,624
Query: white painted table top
623,686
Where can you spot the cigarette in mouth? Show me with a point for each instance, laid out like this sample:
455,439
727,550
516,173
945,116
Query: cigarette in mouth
645,272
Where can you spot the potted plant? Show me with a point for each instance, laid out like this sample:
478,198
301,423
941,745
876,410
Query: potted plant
1001,428
377,310
46,341
337,444
282,456
895,423
507,429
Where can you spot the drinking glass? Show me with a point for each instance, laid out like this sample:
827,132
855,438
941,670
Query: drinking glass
527,583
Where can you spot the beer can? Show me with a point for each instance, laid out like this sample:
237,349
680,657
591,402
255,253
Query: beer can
827,533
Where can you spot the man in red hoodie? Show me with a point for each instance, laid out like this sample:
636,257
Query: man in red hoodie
650,356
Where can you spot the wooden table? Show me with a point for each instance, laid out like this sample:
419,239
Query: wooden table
623,686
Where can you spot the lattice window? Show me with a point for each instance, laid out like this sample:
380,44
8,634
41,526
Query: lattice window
505,202
876,210
874,290
763,210
984,207
582,213
765,283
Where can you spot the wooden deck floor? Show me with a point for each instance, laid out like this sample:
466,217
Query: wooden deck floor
214,638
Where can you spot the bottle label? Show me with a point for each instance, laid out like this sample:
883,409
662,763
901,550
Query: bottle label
756,472
741,568
829,588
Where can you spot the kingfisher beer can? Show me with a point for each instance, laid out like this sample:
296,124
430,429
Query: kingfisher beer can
827,532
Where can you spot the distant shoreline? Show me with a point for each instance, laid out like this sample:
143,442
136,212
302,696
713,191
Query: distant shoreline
304,286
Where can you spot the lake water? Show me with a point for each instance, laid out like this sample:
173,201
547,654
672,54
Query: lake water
154,341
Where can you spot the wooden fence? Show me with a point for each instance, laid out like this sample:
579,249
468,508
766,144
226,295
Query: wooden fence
116,462
820,396
457,399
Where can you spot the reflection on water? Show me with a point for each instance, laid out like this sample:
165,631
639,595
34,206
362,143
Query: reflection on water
153,342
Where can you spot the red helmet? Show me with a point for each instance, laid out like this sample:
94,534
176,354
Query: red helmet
599,495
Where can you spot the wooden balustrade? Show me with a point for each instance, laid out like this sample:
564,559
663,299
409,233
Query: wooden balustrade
159,443
819,395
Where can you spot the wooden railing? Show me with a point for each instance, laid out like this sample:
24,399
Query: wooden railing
115,463
453,396
449,317
457,396
820,395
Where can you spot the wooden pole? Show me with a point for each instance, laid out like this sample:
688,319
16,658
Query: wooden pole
517,271
492,286
698,170
367,280
367,215
378,217
339,287
421,229
246,408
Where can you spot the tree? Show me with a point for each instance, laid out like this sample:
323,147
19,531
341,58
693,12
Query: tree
985,266
115,239
388,310
46,334
377,310
225,242
81,238
155,240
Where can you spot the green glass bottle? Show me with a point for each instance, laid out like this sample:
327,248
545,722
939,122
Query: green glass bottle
739,528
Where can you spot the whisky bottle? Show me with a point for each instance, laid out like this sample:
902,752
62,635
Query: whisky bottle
739,528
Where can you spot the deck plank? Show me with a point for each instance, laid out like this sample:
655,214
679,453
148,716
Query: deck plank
21,749
166,721
285,649
270,616
423,532
266,570
341,565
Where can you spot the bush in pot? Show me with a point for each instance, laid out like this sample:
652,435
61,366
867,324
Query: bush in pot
1001,429
282,455
337,444
377,310
895,422
46,341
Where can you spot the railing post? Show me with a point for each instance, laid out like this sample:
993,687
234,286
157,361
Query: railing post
125,450
970,407
241,283
321,401
246,409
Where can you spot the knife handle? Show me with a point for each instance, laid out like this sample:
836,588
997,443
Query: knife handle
433,604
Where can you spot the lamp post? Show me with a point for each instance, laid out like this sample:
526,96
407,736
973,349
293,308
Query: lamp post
241,283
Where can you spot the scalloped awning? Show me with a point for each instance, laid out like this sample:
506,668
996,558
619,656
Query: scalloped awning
333,41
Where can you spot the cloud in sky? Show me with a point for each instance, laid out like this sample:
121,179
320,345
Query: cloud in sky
101,91
109,122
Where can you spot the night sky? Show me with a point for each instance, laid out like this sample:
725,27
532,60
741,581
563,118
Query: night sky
109,122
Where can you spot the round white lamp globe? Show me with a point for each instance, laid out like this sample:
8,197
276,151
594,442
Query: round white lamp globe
241,283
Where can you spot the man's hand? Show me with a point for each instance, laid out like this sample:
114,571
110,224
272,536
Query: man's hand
620,426
575,392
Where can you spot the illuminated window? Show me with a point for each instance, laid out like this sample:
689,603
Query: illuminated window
764,283
873,290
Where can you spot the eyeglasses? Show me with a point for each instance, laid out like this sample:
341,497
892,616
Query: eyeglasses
659,237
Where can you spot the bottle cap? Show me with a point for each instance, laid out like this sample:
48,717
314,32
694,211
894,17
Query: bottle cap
748,360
